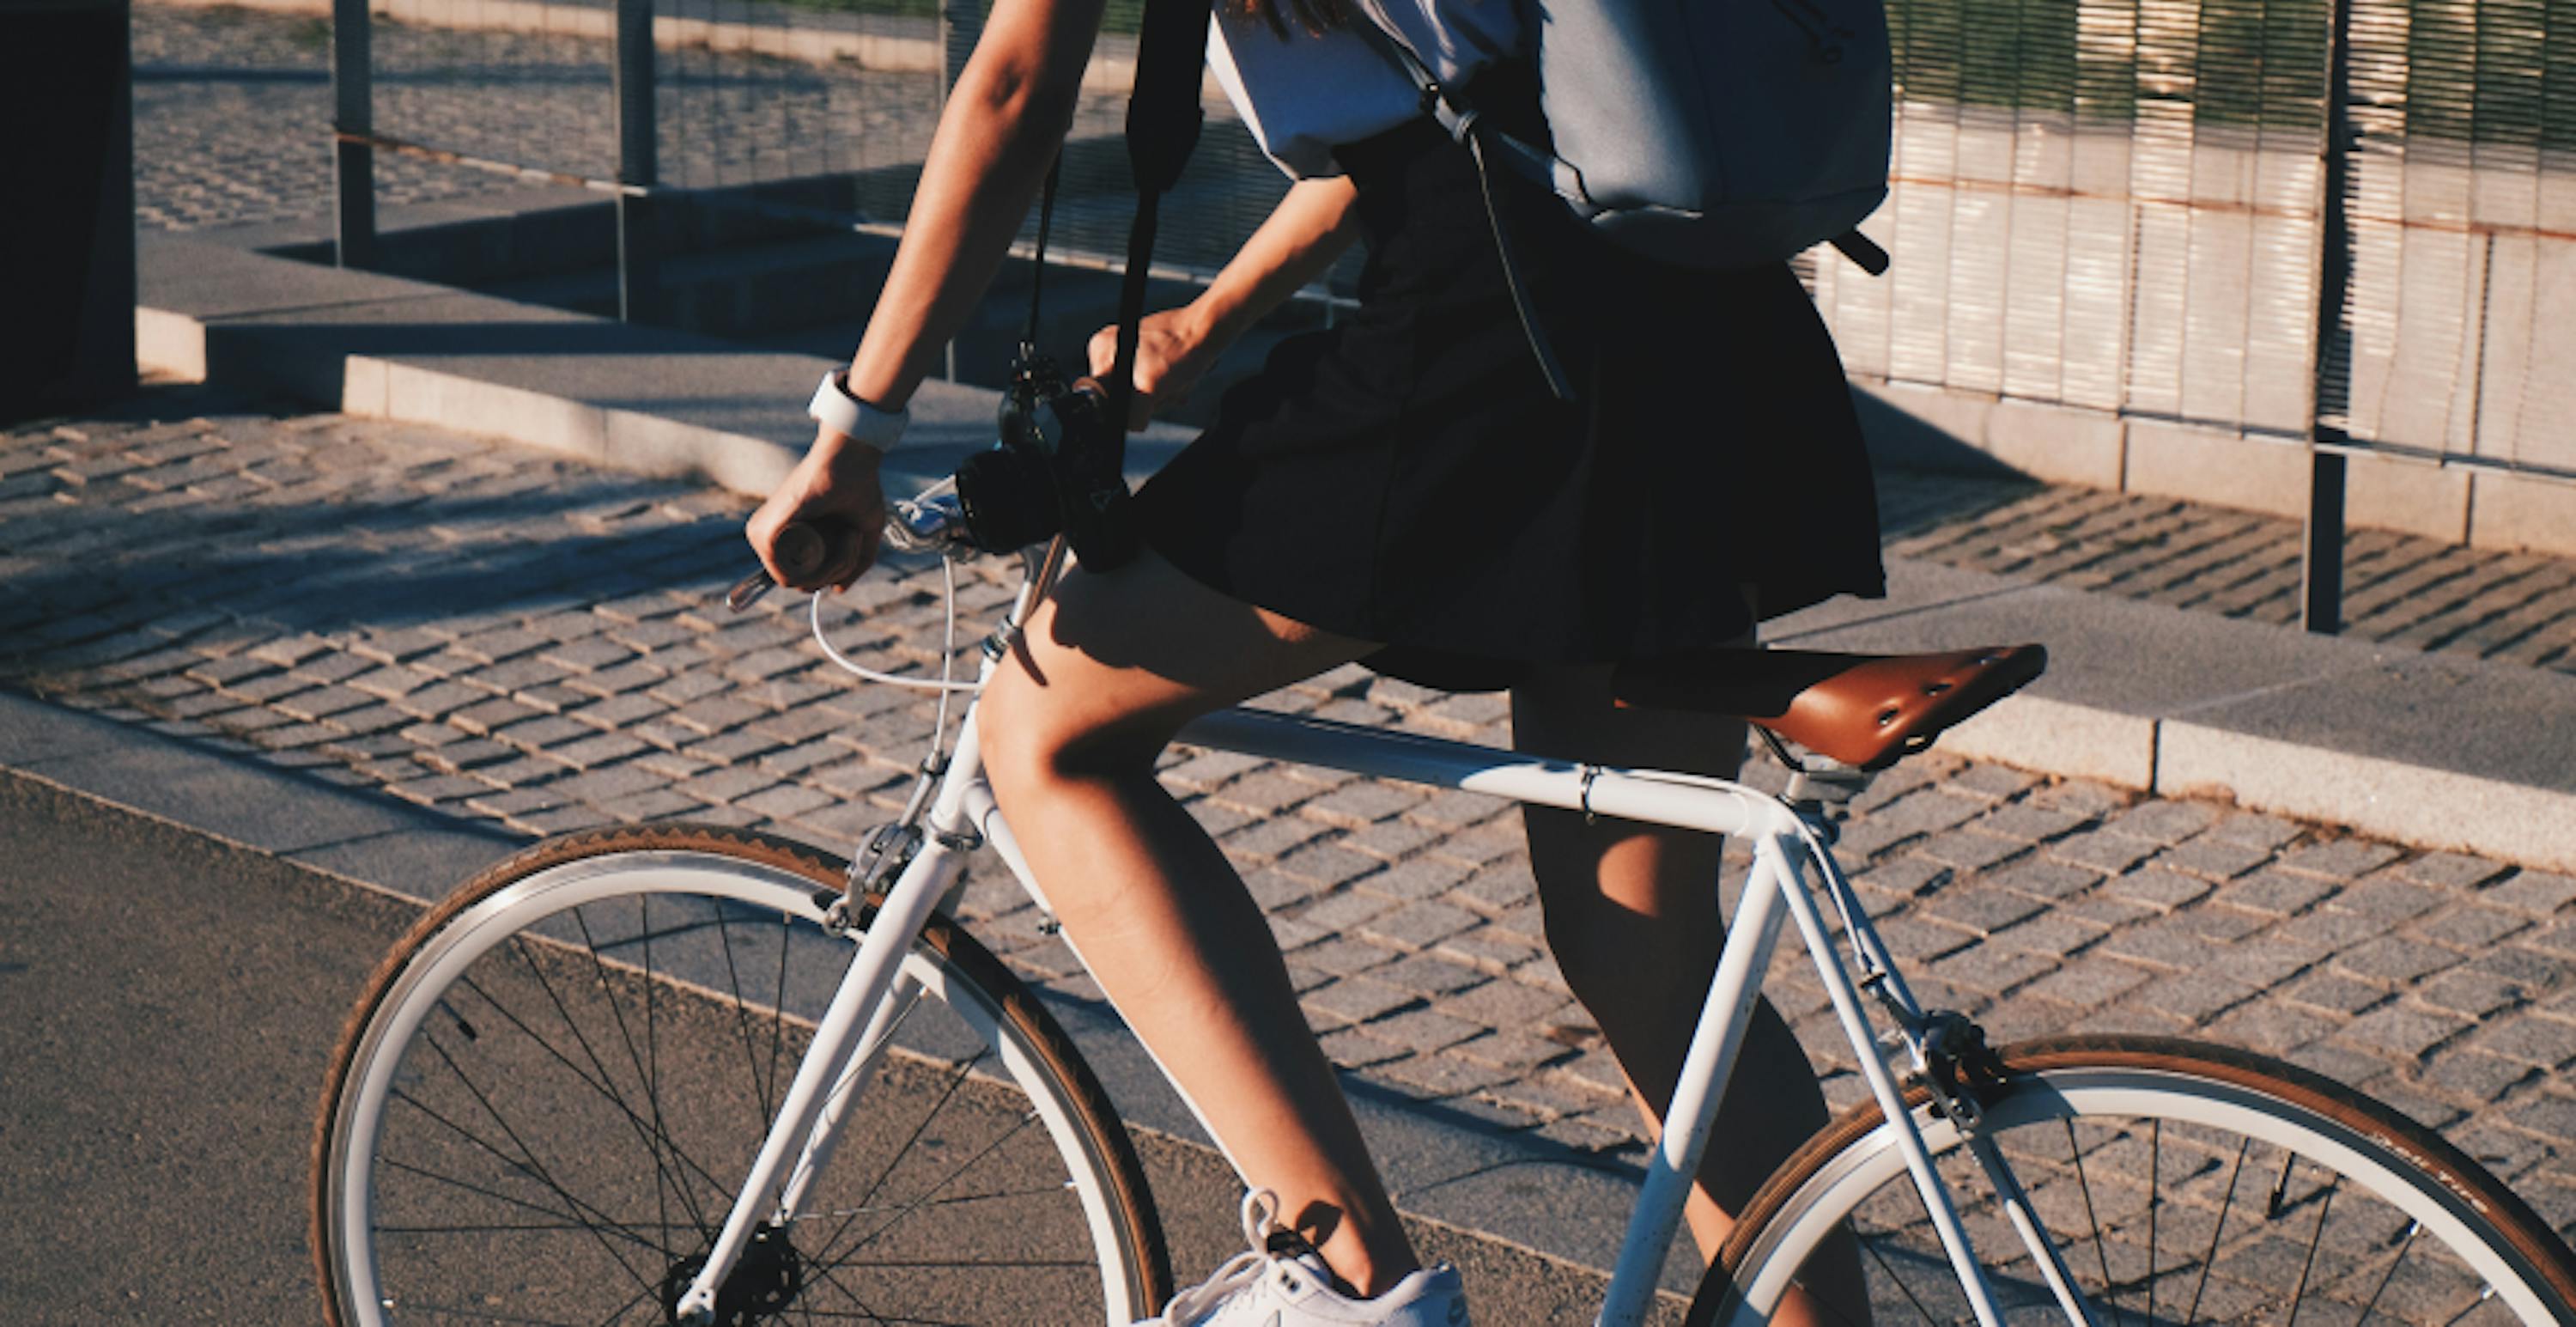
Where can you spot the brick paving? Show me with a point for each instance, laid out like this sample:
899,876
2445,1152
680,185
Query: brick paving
510,638
2401,590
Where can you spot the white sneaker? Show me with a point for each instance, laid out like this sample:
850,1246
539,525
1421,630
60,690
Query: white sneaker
1282,1282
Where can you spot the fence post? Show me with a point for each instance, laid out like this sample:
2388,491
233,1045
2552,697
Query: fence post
638,163
353,118
2321,572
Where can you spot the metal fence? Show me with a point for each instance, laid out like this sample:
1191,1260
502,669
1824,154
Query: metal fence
818,111
2124,206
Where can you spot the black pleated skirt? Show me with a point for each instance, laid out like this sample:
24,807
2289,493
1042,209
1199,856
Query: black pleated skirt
1406,477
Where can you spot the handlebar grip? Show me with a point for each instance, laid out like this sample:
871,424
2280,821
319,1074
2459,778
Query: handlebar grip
801,550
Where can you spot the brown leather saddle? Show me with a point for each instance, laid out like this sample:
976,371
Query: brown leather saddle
1865,710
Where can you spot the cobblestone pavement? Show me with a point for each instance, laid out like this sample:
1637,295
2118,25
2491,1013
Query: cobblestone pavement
2399,589
507,637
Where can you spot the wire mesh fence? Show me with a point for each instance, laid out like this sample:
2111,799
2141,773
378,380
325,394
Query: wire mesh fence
2117,205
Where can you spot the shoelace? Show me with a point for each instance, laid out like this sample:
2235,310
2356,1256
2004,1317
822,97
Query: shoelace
1260,1216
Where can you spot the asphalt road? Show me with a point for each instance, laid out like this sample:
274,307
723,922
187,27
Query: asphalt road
167,1004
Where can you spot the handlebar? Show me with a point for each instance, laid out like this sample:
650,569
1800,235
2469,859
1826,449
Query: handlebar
931,521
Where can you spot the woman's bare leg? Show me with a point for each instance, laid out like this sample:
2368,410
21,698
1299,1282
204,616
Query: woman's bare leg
1112,666
1632,918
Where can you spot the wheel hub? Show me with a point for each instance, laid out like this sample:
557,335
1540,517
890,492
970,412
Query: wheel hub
764,1281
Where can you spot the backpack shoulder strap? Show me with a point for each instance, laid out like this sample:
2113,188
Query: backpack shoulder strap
1451,110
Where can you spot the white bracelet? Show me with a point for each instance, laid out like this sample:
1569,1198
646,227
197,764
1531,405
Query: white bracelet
869,426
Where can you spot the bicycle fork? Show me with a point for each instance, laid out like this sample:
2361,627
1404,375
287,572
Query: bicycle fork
855,1026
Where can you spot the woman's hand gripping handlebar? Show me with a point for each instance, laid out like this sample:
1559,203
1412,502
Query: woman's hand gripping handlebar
798,550
930,522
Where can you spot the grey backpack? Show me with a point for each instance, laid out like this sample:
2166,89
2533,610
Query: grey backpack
1704,133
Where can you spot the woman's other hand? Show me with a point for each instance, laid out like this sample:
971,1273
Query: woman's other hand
835,490
1173,350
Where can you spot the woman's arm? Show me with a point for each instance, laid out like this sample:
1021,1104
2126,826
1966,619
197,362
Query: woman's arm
1005,122
1303,235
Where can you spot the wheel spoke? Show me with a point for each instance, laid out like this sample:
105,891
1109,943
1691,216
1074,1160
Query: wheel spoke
2413,1228
514,1164
622,1228
607,1091
534,1168
2155,1197
2209,1259
777,1015
644,1130
742,1016
950,1178
608,993
2101,1246
2308,1265
482,1313
1875,1256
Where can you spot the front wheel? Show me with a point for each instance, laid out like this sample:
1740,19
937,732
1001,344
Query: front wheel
548,1093
2180,1182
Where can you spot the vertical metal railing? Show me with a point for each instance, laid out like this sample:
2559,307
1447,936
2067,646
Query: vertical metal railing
353,123
2321,566
638,159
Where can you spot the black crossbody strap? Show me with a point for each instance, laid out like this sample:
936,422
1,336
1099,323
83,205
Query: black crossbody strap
1163,118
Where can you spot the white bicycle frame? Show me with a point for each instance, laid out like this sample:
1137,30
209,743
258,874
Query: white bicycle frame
962,814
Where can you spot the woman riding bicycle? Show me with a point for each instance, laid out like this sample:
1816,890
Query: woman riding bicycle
1402,490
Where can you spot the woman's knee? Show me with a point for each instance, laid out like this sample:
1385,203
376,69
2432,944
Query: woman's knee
1032,735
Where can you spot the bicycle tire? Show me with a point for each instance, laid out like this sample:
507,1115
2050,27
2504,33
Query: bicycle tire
2079,1116
542,1021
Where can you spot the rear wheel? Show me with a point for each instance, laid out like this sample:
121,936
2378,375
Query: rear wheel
550,1089
2180,1183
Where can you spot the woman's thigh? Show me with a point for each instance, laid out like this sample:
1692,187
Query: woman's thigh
1585,866
1113,664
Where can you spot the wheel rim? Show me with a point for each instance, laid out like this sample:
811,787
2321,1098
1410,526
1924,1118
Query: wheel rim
2229,1194
737,966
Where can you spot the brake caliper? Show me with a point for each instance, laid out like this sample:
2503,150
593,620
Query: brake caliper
1963,1072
